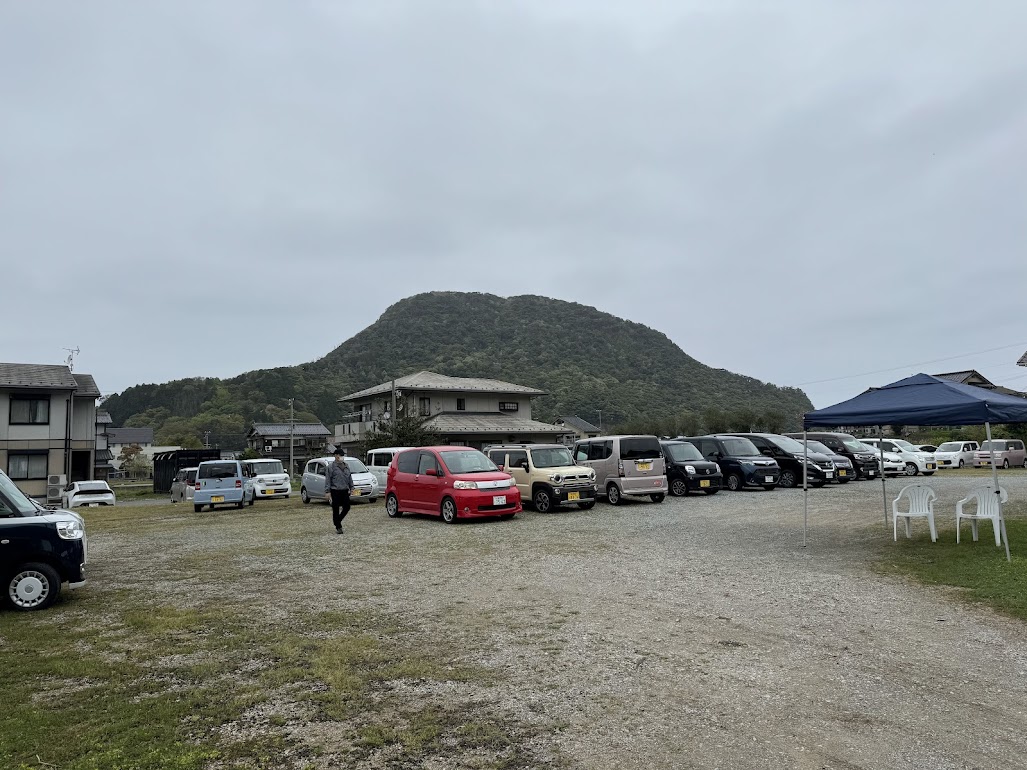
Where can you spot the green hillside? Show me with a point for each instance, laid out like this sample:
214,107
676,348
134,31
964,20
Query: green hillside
585,359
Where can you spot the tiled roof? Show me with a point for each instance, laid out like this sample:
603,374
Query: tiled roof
964,376
282,429
103,418
433,381
130,435
1022,361
86,385
104,455
580,425
491,423
41,376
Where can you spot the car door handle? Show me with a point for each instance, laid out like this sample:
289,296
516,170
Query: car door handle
5,542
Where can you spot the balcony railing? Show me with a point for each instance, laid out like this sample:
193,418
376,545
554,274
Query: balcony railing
348,432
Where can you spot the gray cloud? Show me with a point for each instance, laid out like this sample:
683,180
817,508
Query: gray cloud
795,193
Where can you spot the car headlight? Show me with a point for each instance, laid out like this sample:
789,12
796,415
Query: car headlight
690,469
70,530
591,475
747,463
556,478
464,485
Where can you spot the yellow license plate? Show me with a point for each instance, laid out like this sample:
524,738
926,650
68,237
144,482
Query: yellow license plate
356,493
704,483
217,499
573,495
843,473
645,466
269,491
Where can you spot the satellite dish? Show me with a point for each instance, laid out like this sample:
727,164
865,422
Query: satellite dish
386,415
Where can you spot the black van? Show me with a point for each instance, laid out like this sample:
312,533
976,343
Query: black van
739,460
866,464
40,550
789,455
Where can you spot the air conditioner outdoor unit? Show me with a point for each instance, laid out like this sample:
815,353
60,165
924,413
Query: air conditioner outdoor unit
53,494
57,480
267,449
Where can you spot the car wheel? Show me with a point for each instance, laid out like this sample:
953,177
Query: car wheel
613,495
961,464
787,479
240,504
542,500
449,511
679,487
1025,463
733,482
1005,463
711,491
659,497
197,508
253,499
304,496
34,586
587,506
392,507
911,469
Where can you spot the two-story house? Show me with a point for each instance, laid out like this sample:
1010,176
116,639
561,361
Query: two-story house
577,428
102,456
466,411
47,424
119,438
309,440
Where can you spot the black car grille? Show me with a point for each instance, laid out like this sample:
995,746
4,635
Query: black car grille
827,466
505,507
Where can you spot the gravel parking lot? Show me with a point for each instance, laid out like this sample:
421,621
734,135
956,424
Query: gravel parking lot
694,633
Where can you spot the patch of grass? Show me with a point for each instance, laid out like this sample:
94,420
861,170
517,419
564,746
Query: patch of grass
979,568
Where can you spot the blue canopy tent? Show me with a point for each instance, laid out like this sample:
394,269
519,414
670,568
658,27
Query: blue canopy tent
921,400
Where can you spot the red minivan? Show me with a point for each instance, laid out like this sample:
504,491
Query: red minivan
451,482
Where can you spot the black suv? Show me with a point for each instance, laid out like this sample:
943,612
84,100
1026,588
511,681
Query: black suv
865,463
739,460
688,471
789,455
40,550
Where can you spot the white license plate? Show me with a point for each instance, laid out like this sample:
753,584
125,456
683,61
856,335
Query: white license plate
871,474
768,479
499,499
829,474
217,499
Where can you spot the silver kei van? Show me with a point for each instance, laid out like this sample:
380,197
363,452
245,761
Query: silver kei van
625,466
378,461
1008,452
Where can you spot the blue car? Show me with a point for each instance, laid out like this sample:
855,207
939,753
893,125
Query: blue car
222,482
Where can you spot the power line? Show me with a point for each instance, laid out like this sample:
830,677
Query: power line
919,363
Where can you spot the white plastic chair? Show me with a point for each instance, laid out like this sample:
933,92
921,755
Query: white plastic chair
987,508
921,505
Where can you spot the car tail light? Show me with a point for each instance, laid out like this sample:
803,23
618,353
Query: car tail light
197,487
238,483
620,467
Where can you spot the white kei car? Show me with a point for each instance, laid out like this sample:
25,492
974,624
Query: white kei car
893,464
87,493
914,460
956,454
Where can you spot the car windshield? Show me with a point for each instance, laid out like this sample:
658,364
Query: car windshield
13,499
816,446
951,446
740,447
787,444
682,453
355,466
552,457
869,448
855,446
267,466
467,461
904,445
998,446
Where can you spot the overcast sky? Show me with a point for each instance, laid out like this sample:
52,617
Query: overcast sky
798,191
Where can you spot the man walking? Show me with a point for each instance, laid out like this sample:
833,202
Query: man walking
339,483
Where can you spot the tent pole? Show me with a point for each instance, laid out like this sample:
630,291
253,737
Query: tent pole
805,486
884,486
998,492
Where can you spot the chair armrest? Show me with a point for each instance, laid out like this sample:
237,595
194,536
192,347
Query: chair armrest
959,506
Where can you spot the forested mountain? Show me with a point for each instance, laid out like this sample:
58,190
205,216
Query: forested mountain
585,359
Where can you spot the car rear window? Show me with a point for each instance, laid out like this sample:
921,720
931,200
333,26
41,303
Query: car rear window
218,471
645,448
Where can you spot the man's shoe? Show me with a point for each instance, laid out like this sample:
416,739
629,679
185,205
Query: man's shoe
338,530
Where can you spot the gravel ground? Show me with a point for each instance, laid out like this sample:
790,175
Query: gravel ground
695,633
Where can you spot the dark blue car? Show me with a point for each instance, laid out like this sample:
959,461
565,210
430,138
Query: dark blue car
739,460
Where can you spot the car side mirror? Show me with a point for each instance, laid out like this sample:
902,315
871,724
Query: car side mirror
500,468
766,452
523,464
431,472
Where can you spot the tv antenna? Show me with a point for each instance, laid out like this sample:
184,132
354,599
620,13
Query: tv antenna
70,360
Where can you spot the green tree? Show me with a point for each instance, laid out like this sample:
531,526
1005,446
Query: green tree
134,462
249,453
406,430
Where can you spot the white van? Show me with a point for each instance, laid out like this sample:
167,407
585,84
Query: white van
269,478
956,454
915,460
378,461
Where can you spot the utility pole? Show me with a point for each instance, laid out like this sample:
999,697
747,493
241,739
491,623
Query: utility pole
600,418
393,414
206,439
292,424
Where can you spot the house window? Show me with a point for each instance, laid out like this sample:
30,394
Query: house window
30,411
461,405
508,406
425,406
26,467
